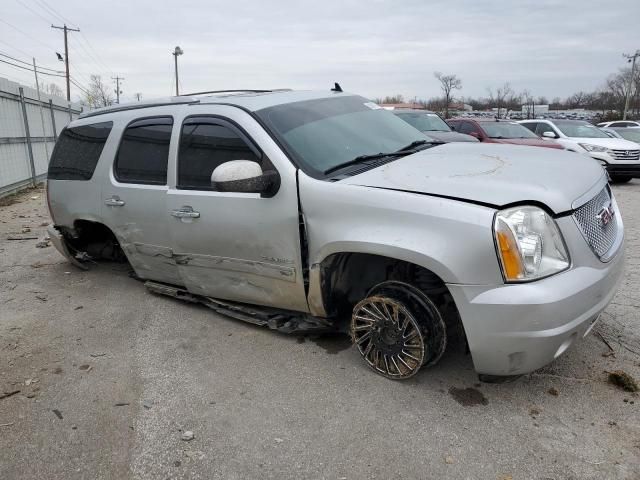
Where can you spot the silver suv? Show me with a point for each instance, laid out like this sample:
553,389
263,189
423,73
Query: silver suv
312,211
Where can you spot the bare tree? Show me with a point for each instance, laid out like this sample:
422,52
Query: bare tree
138,96
501,94
98,94
448,83
51,89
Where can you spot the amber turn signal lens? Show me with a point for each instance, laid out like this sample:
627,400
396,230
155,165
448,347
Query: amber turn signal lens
511,260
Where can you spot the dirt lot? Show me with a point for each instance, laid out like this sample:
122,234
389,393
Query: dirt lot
109,376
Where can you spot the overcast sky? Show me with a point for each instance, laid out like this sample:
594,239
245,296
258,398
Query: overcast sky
372,47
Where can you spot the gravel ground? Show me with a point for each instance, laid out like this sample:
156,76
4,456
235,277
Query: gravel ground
110,377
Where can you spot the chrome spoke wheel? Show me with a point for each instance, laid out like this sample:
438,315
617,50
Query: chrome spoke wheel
388,337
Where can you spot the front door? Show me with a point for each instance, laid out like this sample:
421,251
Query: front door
227,245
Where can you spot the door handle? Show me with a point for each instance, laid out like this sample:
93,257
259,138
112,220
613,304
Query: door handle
185,212
114,201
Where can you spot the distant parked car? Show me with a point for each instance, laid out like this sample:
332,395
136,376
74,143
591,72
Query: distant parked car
619,124
431,124
631,134
499,131
620,157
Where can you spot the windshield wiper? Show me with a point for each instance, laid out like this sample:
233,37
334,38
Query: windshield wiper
406,150
413,145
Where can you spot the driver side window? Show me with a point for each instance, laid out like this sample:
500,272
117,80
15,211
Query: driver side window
544,127
206,143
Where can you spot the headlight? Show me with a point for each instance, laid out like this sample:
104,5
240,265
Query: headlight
529,244
593,148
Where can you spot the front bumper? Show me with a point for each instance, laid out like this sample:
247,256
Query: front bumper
624,169
517,328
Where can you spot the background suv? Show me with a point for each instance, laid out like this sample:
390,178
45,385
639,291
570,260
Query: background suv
620,157
619,123
499,131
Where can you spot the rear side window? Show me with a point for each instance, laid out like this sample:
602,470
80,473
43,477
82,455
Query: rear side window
77,151
205,144
144,151
466,127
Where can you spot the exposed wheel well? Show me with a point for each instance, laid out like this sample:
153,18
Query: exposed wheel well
347,277
93,240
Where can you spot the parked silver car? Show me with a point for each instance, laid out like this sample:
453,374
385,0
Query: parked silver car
306,211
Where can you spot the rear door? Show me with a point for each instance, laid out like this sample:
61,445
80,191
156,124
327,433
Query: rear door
231,245
134,198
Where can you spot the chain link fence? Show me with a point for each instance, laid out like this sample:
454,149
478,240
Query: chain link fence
29,126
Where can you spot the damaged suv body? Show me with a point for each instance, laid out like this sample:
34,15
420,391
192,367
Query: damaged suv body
317,210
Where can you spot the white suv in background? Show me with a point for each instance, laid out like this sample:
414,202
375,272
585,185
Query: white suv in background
620,158
619,123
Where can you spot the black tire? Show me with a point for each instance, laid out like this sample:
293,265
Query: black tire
397,329
620,179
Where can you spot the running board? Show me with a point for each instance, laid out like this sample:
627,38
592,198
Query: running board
284,321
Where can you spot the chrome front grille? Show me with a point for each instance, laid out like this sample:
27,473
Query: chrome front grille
591,218
625,154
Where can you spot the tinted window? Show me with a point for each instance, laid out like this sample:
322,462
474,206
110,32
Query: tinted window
424,121
506,130
144,151
205,144
530,125
77,151
544,127
466,127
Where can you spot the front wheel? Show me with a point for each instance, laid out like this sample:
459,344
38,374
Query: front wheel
620,178
398,329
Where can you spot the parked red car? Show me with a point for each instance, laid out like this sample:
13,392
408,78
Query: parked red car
500,131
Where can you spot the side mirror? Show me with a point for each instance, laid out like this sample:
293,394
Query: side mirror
245,176
476,135
549,134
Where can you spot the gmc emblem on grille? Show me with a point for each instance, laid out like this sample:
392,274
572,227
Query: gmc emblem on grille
605,215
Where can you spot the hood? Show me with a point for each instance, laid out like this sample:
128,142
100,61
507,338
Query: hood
491,174
450,136
611,143
532,142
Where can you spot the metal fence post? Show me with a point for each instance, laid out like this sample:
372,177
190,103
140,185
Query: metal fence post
53,120
28,136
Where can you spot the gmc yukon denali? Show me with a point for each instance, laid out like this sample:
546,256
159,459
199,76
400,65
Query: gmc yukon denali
311,211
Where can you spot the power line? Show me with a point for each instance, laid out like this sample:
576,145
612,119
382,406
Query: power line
24,33
33,11
30,69
94,56
28,63
82,89
14,48
97,57
54,12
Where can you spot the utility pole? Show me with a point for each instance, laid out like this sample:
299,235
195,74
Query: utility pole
66,54
632,59
175,53
118,92
44,132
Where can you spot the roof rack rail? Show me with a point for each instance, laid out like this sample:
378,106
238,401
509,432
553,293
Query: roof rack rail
137,106
239,90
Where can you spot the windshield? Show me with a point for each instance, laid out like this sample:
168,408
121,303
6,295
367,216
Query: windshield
425,122
506,130
632,134
321,134
579,129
